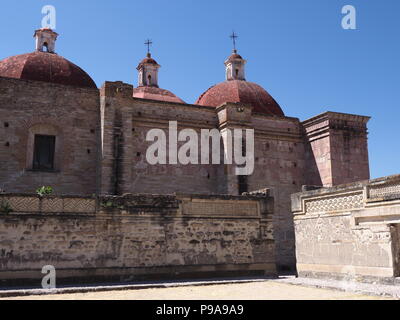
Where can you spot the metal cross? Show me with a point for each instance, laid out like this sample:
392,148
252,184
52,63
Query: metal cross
148,43
234,36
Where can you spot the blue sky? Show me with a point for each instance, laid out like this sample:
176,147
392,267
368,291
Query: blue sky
296,49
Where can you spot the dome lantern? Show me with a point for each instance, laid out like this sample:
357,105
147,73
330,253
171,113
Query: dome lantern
235,67
235,63
148,72
45,38
148,69
148,81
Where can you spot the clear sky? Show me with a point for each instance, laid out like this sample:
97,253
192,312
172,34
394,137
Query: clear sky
296,49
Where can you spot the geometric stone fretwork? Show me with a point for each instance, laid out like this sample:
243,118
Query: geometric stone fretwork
387,190
225,208
23,204
52,205
335,203
79,205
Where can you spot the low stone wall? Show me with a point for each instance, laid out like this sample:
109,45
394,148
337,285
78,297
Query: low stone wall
349,231
134,236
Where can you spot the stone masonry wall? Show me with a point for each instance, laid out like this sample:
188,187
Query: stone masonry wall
349,231
71,114
101,147
279,155
336,149
280,166
135,235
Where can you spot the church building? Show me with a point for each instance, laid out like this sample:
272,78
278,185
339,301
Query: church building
58,129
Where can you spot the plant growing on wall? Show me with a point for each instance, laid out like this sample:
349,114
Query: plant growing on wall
44,191
111,205
5,207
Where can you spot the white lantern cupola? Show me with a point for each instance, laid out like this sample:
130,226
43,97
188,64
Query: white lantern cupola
235,67
148,70
45,40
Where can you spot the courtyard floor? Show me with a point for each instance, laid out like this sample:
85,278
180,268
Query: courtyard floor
258,290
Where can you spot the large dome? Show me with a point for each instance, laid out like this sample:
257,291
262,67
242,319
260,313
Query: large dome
47,67
241,91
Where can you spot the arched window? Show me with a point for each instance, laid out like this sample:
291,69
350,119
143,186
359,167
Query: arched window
149,79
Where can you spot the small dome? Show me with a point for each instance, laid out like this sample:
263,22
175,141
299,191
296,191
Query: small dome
155,93
235,56
241,91
148,60
47,67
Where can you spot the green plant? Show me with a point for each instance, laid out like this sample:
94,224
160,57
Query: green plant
5,207
109,204
44,191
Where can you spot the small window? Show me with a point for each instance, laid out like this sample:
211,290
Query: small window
43,155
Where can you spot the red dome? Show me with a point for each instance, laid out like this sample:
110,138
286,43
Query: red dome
241,91
154,93
48,67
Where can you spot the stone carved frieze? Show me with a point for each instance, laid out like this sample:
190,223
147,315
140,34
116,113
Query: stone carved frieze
384,191
334,203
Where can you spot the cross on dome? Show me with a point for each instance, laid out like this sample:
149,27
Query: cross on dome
148,43
234,36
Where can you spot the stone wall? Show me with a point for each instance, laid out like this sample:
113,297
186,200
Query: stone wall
69,113
279,154
349,231
102,147
336,149
126,238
